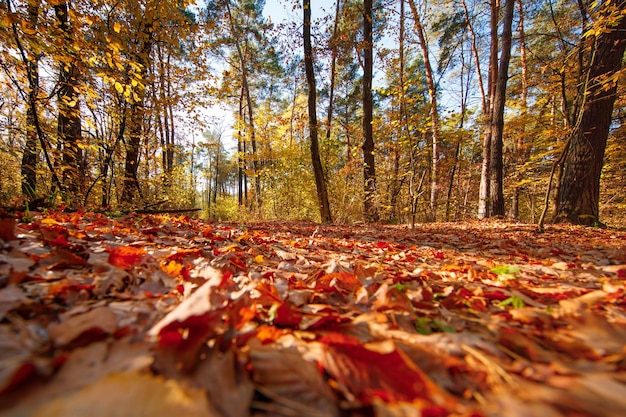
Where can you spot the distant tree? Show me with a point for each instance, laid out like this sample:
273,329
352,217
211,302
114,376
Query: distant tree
434,110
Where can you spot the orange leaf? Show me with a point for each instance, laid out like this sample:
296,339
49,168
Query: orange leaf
126,257
173,268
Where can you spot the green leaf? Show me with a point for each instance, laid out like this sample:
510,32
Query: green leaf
514,301
505,271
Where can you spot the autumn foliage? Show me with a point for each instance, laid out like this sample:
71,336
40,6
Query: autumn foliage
169,315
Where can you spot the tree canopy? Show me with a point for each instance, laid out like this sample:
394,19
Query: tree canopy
440,111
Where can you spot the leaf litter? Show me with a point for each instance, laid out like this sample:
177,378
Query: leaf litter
158,315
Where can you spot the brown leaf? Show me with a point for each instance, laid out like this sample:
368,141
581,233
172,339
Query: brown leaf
293,384
93,325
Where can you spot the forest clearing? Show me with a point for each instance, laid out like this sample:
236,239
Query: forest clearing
165,316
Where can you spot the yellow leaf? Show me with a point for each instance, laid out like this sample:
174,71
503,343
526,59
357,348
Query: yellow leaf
90,20
117,27
135,394
28,28
119,87
259,259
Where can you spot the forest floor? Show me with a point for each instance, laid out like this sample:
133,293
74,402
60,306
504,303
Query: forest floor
169,316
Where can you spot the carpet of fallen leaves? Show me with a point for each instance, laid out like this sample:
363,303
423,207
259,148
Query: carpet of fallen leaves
170,316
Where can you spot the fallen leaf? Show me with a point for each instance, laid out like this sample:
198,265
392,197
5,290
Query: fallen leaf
130,395
91,326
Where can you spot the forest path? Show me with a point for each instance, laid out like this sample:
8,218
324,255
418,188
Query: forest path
156,314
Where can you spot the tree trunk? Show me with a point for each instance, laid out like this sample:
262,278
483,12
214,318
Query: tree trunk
249,105
241,160
484,197
496,166
333,74
369,170
131,190
29,157
434,111
579,192
521,153
69,117
318,171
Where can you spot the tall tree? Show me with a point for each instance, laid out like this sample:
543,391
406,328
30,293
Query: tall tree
579,192
521,146
69,117
369,169
318,171
245,88
496,168
434,112
31,61
484,195
145,40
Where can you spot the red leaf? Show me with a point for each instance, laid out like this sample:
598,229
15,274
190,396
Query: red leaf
382,245
55,235
368,374
126,257
7,228
183,253
287,315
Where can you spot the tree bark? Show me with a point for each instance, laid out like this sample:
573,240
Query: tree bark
484,197
318,171
495,164
579,192
369,170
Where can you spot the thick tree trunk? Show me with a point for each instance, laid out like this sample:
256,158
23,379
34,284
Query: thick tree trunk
496,166
369,170
318,171
579,192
